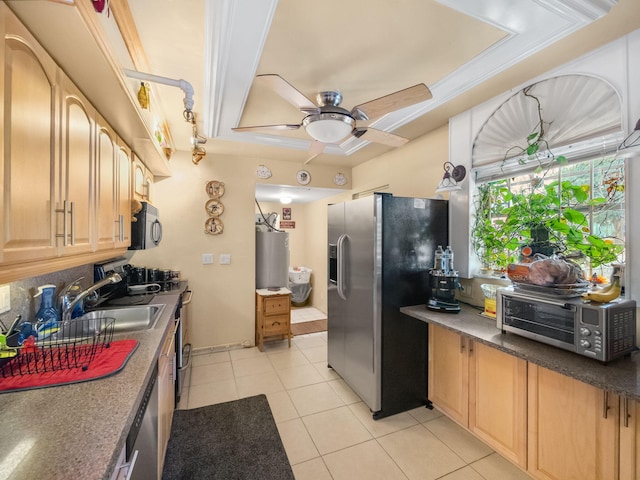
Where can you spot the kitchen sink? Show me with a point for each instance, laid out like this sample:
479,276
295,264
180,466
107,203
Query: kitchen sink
130,319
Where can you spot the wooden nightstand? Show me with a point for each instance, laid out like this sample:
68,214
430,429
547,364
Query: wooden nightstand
273,315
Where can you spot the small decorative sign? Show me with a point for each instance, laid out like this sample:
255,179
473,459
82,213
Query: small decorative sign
286,213
287,224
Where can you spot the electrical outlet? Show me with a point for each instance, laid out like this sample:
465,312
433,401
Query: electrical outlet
5,298
207,258
225,259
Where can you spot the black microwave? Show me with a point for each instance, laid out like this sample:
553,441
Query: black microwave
146,230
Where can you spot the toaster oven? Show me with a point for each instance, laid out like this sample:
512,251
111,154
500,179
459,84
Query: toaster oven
602,331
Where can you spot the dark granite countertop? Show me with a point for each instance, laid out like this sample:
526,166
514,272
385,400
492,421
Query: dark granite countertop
621,376
79,430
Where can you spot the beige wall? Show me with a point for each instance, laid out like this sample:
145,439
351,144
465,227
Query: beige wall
222,310
411,171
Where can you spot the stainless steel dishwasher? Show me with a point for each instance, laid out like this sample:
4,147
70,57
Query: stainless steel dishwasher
143,437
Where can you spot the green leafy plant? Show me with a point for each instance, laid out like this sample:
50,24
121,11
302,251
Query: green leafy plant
537,147
551,215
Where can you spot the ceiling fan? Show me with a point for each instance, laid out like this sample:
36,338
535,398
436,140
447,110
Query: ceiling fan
328,123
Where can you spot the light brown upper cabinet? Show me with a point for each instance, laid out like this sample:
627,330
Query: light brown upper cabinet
142,180
28,80
113,189
122,189
75,198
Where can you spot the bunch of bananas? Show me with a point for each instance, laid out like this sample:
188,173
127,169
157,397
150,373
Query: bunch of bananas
605,295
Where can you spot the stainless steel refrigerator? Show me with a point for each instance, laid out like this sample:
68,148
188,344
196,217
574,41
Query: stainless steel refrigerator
381,249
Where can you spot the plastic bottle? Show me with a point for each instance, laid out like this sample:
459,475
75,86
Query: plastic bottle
47,317
437,263
447,259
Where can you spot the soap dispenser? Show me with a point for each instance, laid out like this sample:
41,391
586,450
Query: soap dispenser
47,317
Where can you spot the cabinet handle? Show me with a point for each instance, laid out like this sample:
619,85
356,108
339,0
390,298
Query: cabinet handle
65,219
605,404
470,347
120,223
66,210
461,344
72,212
625,412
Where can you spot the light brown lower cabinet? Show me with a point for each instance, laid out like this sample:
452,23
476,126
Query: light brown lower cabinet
166,396
573,428
481,388
551,425
629,439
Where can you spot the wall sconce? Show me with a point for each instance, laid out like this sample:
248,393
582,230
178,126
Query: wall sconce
452,175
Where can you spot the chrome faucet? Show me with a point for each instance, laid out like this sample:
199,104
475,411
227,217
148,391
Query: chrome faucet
68,310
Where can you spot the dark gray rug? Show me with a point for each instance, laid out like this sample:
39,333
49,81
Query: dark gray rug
228,441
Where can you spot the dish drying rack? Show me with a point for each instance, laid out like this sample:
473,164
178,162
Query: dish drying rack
74,345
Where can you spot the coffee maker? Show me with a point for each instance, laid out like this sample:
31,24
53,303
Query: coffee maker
443,283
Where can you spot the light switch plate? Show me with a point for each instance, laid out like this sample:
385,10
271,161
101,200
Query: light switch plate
225,259
207,258
5,298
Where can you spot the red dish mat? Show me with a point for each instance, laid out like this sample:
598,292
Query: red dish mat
107,362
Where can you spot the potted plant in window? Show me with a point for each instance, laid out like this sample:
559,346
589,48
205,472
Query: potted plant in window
549,216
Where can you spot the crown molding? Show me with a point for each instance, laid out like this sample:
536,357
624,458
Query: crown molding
235,33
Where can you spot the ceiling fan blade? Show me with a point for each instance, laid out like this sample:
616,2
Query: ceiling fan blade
392,102
378,136
288,92
316,149
259,128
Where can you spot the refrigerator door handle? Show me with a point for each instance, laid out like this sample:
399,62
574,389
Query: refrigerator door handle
341,267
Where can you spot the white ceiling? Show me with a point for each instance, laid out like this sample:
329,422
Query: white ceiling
465,50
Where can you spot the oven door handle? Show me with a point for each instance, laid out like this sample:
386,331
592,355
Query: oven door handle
187,302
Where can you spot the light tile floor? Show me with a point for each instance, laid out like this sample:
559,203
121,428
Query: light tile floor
327,431
306,314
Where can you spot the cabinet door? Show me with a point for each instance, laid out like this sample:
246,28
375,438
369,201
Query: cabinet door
28,81
123,196
498,401
76,193
105,184
140,189
572,428
449,373
166,396
629,439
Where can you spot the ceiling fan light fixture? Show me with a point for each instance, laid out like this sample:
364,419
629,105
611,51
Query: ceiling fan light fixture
328,127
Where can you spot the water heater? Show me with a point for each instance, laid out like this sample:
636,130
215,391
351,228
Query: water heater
272,259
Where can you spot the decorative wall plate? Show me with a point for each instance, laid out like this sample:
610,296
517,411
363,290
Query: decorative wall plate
340,179
215,188
263,172
214,207
213,226
303,177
